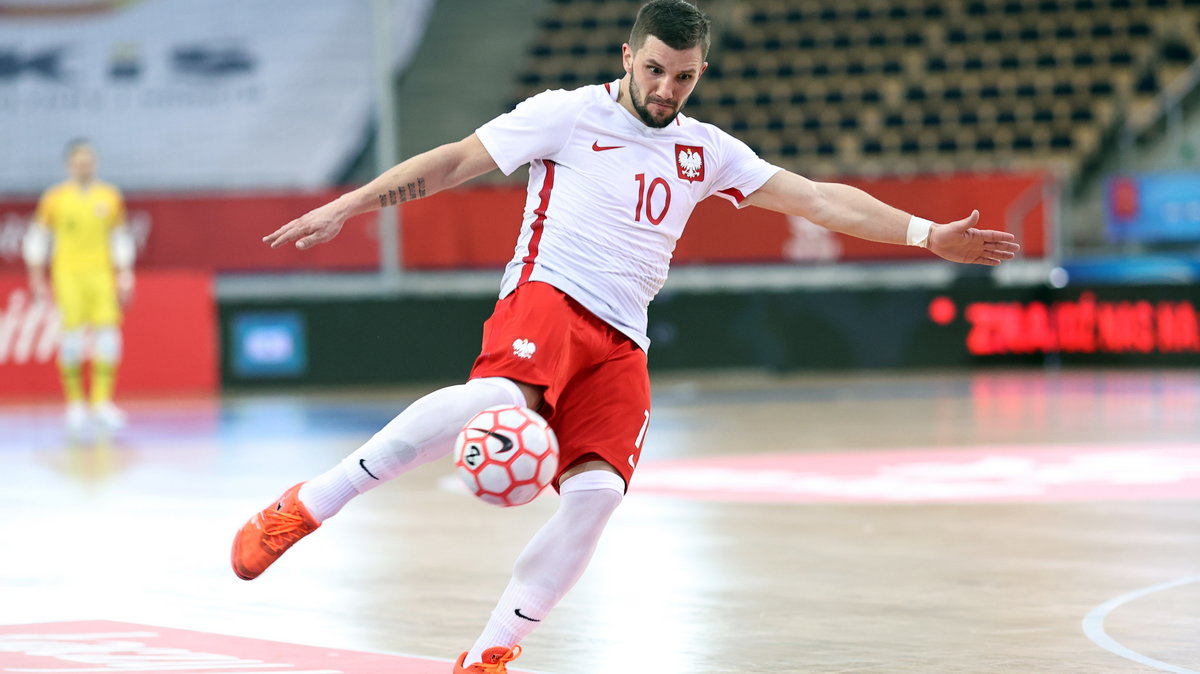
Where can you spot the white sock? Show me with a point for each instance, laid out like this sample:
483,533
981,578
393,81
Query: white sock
553,560
421,433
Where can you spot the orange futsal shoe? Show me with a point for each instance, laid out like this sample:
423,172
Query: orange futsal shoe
494,661
270,533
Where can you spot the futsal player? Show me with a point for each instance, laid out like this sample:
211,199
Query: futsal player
79,232
615,171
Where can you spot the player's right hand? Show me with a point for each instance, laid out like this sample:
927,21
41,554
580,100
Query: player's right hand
316,226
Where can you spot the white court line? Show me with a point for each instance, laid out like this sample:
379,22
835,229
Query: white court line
1093,626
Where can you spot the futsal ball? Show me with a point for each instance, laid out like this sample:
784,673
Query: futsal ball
506,455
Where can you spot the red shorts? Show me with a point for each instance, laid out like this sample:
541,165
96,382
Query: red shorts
597,386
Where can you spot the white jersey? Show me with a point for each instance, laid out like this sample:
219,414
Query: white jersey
608,196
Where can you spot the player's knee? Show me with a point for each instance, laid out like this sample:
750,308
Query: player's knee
107,346
534,395
603,490
516,395
70,349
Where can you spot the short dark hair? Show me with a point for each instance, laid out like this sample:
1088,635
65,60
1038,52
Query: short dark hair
679,24
75,144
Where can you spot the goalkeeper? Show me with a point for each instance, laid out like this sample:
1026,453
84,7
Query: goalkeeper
79,236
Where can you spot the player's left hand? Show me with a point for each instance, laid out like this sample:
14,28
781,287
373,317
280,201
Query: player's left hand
39,285
960,241
316,226
125,284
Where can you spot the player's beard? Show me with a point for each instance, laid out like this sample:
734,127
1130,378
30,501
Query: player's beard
635,96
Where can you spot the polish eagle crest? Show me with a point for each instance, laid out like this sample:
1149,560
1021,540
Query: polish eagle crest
689,160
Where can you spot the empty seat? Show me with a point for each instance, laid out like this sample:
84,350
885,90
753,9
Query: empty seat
900,83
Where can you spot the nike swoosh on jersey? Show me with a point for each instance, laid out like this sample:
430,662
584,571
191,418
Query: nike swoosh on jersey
601,148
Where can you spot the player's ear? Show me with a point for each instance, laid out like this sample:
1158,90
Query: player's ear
703,67
627,57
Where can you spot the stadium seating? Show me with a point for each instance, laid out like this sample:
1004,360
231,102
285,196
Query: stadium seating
866,87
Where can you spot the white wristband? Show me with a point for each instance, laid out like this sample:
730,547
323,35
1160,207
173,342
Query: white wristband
122,248
36,245
918,231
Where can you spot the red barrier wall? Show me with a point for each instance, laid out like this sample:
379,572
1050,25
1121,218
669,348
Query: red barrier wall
170,334
476,227
217,233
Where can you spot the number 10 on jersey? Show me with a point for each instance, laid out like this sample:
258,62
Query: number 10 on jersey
646,198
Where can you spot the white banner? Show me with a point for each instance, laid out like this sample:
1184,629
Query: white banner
191,94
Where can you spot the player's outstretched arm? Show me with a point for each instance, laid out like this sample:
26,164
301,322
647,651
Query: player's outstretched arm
851,211
423,175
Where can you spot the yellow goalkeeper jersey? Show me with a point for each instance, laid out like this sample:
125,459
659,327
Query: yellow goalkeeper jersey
81,219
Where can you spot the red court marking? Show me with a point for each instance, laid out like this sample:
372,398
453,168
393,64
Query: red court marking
106,646
990,474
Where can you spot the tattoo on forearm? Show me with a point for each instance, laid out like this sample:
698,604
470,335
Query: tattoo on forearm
403,193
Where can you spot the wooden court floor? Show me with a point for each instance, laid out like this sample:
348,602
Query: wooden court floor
986,522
